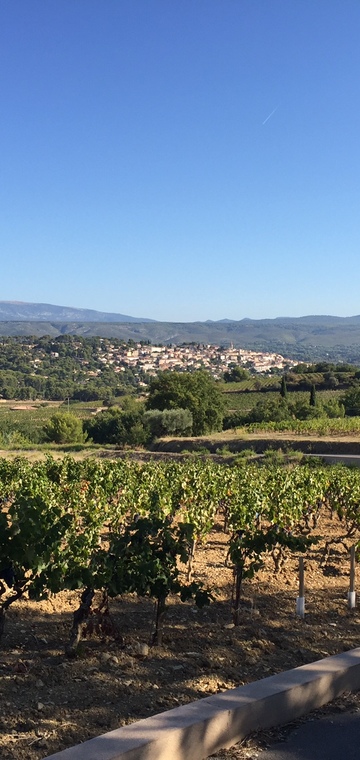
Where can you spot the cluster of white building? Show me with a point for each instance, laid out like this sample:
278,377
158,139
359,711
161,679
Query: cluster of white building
215,359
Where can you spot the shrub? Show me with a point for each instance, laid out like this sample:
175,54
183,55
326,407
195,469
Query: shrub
176,422
64,428
118,427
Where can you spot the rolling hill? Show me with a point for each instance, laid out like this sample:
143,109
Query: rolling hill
309,338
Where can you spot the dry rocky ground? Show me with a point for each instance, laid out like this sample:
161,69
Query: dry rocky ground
48,703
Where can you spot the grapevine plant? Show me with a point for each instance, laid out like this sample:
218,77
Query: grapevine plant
120,527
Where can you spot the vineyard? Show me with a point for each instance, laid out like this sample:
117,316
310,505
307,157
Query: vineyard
319,427
131,577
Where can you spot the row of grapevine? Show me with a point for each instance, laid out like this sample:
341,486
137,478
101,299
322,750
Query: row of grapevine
317,426
123,527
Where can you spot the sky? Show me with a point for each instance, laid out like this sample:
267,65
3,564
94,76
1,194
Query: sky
181,160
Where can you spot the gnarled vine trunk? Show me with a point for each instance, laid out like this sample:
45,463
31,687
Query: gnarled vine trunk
160,610
80,616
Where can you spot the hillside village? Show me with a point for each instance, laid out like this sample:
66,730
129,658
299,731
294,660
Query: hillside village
90,368
151,359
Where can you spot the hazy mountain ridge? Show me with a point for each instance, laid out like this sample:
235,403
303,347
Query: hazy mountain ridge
45,312
313,337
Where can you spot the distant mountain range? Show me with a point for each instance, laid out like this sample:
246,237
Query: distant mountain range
309,338
45,312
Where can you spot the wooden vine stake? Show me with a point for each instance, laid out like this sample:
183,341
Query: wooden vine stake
300,600
352,593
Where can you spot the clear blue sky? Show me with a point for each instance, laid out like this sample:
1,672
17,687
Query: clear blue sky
144,168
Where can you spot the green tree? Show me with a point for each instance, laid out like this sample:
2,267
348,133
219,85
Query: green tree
351,401
118,427
283,388
64,428
303,411
331,380
312,396
270,411
196,391
333,408
109,398
236,374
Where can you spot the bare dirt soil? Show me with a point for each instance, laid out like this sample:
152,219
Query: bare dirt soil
309,443
48,702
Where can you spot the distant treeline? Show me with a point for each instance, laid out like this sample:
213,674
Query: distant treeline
72,367
186,404
60,368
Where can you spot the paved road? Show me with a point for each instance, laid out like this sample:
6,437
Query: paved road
352,459
335,737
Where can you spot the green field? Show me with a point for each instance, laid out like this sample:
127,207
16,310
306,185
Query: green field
319,427
22,422
242,401
28,418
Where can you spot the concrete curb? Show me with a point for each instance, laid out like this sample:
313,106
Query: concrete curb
199,729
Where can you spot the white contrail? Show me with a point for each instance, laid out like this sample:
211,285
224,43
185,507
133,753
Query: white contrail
270,115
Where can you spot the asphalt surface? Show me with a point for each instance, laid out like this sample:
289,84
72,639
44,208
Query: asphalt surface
349,459
334,737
